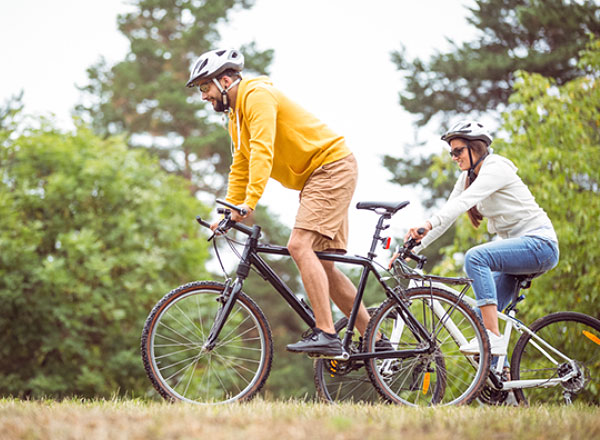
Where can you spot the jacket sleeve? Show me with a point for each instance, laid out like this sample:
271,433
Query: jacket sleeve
437,232
238,179
260,112
491,178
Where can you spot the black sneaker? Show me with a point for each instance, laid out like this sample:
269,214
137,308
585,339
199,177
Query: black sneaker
318,342
383,344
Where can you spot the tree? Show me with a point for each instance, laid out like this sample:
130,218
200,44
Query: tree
92,234
144,98
553,136
538,36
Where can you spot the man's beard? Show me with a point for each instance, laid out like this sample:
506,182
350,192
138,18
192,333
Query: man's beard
219,106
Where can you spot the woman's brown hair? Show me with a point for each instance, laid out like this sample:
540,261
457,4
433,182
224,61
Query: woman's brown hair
480,149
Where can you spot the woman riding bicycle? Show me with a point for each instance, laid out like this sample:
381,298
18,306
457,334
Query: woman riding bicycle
490,187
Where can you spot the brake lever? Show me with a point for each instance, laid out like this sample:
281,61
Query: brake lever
223,226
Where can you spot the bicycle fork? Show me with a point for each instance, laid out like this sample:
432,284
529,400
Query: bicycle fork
227,300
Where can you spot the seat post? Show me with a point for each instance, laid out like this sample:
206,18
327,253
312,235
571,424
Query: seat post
376,235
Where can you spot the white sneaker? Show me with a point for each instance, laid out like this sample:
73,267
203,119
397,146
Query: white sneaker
497,346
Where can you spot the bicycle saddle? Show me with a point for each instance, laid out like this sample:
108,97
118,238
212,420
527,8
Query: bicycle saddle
389,207
525,280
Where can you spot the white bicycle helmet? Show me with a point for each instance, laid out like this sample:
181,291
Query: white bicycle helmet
211,64
470,130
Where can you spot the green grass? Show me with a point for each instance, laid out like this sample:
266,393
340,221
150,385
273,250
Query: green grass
134,419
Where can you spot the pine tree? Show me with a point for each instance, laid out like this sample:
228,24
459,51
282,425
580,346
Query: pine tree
537,36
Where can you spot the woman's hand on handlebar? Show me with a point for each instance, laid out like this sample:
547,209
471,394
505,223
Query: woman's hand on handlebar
415,235
418,232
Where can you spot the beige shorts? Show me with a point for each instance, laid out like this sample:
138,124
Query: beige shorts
324,203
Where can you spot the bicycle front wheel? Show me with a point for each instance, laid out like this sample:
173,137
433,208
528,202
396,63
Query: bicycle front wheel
576,337
443,376
179,364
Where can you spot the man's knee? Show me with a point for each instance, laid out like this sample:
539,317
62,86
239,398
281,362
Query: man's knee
300,242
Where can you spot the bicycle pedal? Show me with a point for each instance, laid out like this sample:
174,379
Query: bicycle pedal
342,357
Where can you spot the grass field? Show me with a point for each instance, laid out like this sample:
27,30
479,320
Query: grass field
131,419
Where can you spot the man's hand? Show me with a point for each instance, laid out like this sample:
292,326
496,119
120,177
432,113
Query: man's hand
237,217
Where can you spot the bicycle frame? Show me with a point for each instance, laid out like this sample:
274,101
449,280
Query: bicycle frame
250,258
512,322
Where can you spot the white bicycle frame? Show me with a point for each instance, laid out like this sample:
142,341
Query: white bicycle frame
511,322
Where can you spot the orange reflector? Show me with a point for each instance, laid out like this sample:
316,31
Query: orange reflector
592,337
426,380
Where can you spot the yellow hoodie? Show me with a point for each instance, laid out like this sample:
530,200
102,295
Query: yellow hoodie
275,137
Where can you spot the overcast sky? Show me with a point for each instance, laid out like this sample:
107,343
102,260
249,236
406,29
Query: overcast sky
332,56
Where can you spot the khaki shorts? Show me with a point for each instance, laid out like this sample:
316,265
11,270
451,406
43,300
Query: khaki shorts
324,203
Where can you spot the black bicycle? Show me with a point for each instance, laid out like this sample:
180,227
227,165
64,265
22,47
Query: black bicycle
208,342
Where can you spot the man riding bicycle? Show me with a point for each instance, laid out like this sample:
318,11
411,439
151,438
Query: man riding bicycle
272,136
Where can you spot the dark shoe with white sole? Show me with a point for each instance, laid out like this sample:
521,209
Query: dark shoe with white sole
318,342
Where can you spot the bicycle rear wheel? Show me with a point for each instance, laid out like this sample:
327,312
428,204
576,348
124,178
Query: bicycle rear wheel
344,381
179,365
444,376
576,336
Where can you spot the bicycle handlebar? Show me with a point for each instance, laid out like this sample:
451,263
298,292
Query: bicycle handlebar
226,223
405,251
240,211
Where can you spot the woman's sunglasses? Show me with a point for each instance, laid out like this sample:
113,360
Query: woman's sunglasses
457,151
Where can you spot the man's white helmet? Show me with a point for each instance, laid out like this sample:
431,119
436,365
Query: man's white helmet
470,130
211,64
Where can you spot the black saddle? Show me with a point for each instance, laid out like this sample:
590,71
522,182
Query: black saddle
525,280
389,207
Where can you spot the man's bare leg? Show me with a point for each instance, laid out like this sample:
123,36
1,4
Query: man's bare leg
314,276
343,292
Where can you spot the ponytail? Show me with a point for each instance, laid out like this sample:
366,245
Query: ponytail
481,149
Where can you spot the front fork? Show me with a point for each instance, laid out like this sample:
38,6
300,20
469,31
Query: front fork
227,300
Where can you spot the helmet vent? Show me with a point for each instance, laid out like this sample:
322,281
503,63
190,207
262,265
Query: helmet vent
201,66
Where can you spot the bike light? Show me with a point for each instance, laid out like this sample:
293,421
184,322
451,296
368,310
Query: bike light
386,241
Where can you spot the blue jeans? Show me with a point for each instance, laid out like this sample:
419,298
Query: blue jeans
493,266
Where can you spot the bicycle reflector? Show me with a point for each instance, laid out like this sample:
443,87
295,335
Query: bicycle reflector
426,382
591,337
385,242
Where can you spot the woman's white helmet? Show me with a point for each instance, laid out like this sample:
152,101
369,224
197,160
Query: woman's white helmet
470,130
211,64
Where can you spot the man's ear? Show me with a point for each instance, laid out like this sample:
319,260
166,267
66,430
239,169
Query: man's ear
226,82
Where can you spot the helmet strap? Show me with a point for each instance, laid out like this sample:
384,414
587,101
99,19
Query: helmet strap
223,91
472,174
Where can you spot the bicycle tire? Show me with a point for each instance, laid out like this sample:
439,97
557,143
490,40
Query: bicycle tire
181,369
443,377
344,381
565,332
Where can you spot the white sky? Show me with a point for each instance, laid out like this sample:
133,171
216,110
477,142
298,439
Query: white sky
332,56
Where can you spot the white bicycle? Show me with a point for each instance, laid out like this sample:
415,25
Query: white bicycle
555,360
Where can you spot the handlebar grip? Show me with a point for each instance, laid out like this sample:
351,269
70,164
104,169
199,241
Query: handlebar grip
202,222
237,209
421,231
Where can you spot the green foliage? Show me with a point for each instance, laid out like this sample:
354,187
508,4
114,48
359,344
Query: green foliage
537,36
144,96
540,36
553,136
91,236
